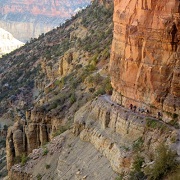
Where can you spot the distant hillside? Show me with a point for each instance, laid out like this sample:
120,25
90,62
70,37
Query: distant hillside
26,19
7,42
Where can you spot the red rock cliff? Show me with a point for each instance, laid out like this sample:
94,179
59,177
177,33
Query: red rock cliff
145,58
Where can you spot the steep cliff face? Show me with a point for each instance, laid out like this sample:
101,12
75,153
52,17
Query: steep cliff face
26,19
145,64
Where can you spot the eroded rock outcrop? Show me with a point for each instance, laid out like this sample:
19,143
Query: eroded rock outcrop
114,131
145,64
68,158
25,135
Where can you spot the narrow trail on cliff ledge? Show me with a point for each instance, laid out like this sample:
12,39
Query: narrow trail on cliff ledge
107,98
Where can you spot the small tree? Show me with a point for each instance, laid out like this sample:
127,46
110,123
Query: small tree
164,163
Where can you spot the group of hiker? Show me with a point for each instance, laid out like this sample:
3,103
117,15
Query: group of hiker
142,110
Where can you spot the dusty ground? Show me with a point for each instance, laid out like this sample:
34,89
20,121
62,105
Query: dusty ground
68,158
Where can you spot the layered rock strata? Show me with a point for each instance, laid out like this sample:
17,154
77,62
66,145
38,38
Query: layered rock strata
114,131
145,64
108,136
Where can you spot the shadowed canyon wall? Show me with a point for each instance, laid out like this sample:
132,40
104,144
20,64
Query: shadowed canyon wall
145,63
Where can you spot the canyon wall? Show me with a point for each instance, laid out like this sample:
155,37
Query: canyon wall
29,19
145,63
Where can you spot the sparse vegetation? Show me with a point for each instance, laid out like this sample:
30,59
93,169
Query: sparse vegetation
152,123
164,163
45,151
120,177
73,98
138,144
174,123
61,129
47,166
137,173
24,159
39,177
156,124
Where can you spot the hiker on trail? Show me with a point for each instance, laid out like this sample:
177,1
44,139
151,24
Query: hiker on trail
159,115
134,108
131,106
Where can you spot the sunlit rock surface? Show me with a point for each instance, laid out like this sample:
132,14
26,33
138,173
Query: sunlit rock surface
145,58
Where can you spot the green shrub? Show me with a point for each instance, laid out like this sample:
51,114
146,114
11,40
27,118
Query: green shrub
24,159
73,98
119,177
61,129
138,144
174,123
53,105
96,79
136,172
100,91
2,143
164,163
39,177
107,86
48,166
152,123
45,151
90,67
175,116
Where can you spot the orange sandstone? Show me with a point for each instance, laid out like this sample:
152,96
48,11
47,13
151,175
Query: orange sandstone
145,56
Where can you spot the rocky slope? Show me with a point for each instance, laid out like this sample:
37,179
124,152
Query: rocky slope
8,43
63,70
145,63
29,19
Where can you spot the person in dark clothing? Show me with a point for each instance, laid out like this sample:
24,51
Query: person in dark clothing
159,115
131,106
134,108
